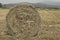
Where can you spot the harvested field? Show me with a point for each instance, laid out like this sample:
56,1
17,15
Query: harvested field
50,23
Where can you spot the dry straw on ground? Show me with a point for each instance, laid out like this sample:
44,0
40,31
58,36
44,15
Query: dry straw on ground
23,22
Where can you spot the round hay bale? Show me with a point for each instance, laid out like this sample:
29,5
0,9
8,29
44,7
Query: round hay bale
23,21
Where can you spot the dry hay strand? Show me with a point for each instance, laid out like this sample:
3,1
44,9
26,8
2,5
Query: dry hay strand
23,21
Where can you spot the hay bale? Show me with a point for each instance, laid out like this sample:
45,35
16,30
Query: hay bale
23,21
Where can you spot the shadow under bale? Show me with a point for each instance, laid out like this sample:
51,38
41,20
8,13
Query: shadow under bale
23,22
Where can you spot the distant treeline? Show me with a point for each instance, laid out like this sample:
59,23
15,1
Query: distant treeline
0,5
36,5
